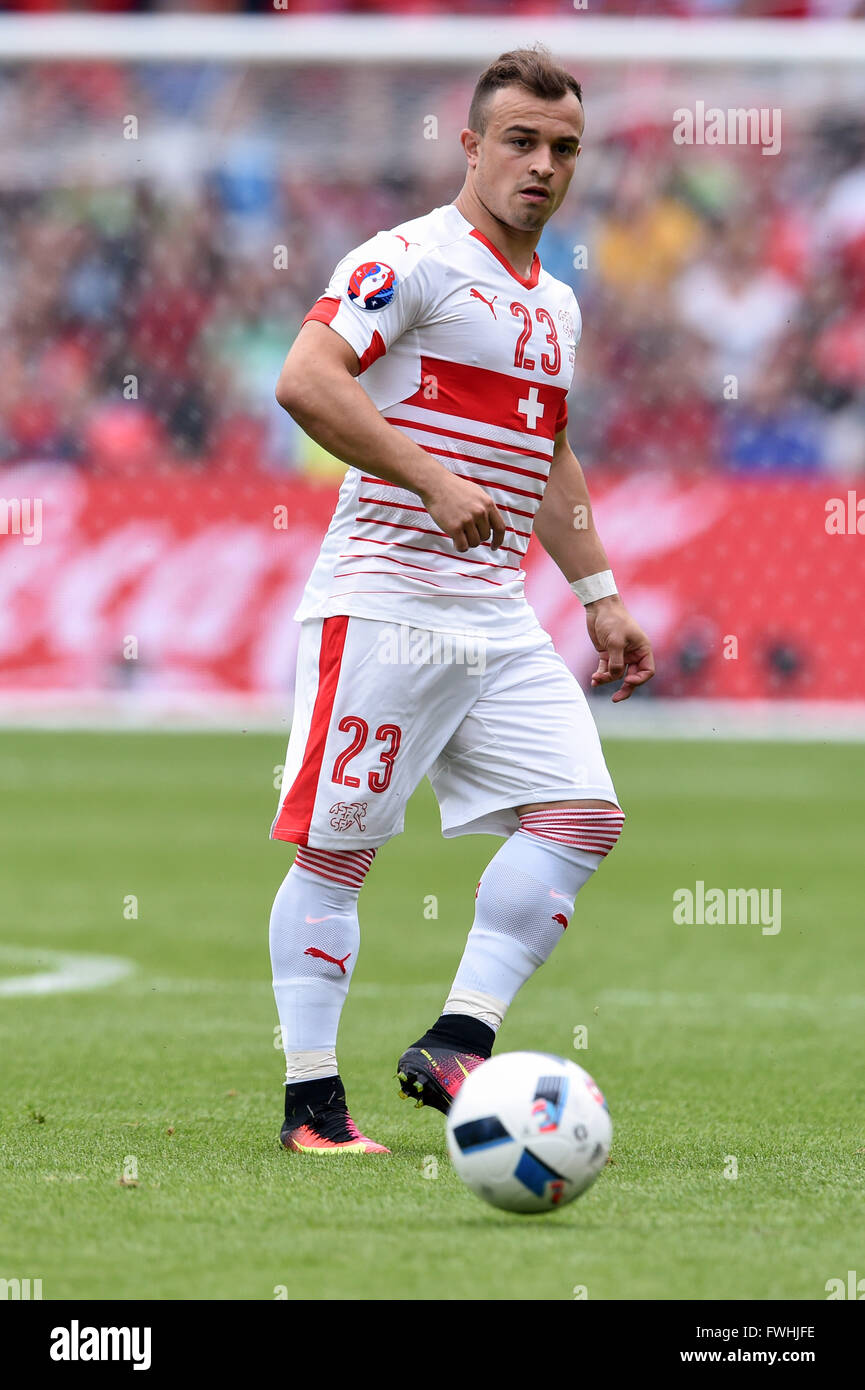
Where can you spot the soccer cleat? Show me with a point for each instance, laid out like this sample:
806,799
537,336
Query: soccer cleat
323,1124
330,1134
433,1075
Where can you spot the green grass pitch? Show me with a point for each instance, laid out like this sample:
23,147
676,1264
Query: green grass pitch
711,1042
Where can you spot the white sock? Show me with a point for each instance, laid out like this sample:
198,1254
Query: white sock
314,941
524,901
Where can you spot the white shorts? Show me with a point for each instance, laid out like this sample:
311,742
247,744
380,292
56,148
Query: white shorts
379,706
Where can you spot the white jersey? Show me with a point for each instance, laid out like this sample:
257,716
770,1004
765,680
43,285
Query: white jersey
473,362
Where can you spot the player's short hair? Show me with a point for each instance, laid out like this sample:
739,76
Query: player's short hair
532,68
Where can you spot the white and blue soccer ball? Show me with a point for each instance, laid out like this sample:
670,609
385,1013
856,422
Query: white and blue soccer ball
529,1131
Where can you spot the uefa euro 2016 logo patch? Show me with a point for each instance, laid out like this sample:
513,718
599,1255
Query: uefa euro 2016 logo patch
372,285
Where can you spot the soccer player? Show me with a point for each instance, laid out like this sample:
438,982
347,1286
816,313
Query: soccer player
436,365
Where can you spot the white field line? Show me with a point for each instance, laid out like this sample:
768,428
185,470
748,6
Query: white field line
67,971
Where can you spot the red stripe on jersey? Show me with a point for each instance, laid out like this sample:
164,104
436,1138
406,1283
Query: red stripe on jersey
528,281
350,574
449,593
403,526
502,506
394,506
502,487
375,350
405,507
425,550
464,559
324,310
466,435
562,417
295,814
352,555
475,458
491,397
493,463
400,526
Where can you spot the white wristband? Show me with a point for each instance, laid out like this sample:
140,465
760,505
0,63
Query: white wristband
595,586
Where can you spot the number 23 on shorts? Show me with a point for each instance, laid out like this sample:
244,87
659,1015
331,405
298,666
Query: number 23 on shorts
389,735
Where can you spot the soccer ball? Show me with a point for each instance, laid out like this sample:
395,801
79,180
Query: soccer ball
529,1131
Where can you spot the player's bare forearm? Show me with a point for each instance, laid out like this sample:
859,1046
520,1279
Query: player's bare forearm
564,524
317,387
565,527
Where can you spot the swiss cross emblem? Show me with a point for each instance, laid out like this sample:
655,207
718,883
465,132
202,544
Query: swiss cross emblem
531,407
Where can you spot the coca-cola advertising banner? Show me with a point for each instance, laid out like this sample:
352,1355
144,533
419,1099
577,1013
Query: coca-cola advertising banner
748,589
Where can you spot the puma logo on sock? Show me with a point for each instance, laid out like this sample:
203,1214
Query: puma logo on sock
560,917
334,960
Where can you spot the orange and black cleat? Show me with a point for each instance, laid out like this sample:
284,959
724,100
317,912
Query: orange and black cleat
431,1075
317,1121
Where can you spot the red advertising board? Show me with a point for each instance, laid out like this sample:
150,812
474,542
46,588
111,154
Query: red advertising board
747,588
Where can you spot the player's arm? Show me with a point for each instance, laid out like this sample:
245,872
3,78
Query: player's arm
317,387
565,527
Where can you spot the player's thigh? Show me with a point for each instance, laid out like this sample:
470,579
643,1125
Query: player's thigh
369,721
530,738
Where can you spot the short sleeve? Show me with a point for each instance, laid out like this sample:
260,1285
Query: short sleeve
376,293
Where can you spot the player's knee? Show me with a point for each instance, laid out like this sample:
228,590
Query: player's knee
591,829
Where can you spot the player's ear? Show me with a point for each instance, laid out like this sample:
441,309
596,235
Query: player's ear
470,140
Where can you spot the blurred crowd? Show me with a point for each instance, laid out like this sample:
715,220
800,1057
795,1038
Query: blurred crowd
775,9
144,320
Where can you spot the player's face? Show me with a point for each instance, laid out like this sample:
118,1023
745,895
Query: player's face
525,159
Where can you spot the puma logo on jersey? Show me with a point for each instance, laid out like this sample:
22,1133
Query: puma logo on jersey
476,294
405,243
322,955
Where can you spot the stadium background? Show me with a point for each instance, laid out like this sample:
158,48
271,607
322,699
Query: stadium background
143,1081
157,274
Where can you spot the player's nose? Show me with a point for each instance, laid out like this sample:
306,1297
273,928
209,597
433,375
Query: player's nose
542,164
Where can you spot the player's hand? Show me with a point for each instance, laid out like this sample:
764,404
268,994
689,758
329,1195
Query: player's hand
465,512
626,652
